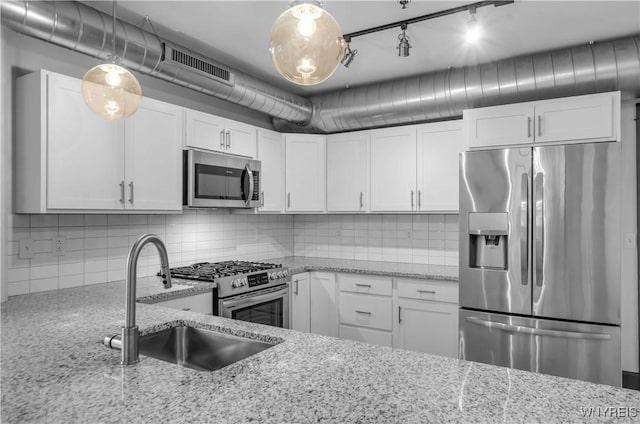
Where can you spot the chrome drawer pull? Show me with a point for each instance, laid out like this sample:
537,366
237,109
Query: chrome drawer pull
427,291
363,312
363,285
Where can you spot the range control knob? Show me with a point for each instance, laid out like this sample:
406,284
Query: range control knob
243,281
285,273
235,283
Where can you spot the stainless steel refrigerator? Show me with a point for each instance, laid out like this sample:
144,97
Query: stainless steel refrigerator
540,260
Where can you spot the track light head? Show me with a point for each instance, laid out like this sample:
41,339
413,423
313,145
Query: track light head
404,46
349,55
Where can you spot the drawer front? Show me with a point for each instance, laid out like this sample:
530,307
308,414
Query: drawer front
365,284
201,303
428,290
366,335
366,311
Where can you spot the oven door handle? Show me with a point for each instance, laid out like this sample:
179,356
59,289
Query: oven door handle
254,299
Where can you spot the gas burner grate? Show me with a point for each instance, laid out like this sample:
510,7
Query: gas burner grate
208,271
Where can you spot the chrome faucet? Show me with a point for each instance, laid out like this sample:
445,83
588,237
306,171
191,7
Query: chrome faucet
129,340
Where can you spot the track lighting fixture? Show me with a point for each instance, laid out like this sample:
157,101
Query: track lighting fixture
306,43
404,3
404,46
474,30
110,90
349,55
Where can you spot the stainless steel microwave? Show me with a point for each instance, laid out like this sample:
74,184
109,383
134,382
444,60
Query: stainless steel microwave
213,180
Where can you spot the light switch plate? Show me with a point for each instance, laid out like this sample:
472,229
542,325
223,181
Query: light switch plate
26,249
629,241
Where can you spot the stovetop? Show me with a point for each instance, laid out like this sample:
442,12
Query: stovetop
210,271
235,277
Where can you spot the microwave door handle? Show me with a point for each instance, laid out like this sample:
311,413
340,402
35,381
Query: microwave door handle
248,195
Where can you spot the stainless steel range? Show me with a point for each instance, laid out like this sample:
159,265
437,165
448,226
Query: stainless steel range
249,291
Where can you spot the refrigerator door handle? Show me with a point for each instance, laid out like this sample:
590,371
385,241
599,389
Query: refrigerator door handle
539,228
524,226
538,331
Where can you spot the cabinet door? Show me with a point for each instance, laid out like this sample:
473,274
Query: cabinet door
588,118
85,153
241,139
429,327
499,125
153,157
271,156
323,304
347,172
305,173
366,335
200,303
439,147
393,169
204,131
300,302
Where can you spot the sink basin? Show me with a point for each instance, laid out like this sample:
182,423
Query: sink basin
199,349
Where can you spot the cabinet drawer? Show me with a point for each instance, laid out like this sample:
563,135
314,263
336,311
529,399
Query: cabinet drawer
365,284
365,311
366,335
428,290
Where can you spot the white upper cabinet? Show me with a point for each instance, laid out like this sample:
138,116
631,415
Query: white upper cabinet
305,172
347,172
271,156
392,169
68,160
210,132
438,150
153,165
589,118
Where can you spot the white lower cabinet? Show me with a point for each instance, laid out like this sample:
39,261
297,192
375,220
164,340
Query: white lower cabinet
427,317
366,308
323,305
300,317
201,303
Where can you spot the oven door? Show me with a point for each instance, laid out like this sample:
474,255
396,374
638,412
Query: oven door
268,307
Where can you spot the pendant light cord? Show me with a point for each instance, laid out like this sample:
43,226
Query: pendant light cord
113,35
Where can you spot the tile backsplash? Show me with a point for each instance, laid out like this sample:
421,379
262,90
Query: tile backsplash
424,239
96,246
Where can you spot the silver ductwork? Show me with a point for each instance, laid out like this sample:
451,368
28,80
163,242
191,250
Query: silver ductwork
84,29
584,69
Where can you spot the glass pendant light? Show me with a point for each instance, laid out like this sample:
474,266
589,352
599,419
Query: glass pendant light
306,43
110,90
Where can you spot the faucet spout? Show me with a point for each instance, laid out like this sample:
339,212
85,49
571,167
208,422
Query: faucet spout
130,330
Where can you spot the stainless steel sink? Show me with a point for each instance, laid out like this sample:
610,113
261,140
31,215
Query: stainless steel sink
196,348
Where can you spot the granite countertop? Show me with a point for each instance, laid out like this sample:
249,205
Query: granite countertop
298,264
55,369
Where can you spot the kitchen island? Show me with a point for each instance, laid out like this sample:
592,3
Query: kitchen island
55,369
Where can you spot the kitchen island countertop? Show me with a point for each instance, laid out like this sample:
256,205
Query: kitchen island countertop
55,369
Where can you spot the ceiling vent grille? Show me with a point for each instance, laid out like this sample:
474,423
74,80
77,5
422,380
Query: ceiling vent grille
198,64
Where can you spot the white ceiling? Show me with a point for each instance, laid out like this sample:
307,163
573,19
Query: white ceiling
236,33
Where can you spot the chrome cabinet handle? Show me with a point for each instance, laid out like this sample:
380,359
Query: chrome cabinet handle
363,285
122,192
361,203
222,139
186,309
528,127
427,291
411,199
538,331
539,226
399,314
363,312
288,200
540,125
295,287
228,139
131,192
419,200
262,201
524,228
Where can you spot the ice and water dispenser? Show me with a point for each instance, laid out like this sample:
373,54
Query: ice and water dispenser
488,240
